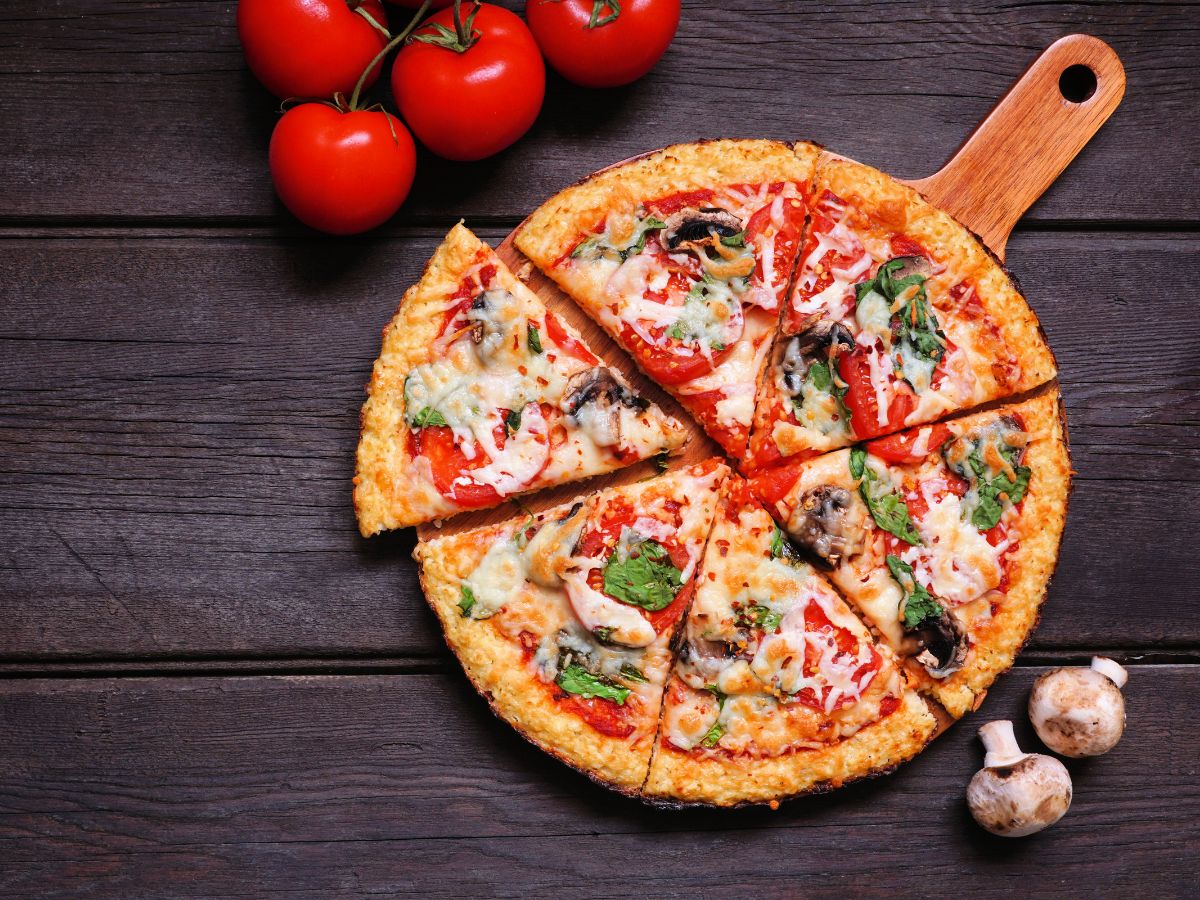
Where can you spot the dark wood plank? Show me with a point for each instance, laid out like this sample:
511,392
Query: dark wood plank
119,109
407,785
178,418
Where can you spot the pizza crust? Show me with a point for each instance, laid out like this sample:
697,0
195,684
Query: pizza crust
724,780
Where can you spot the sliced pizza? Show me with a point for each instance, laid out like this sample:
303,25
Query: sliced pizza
563,621
684,256
480,392
778,688
898,316
943,537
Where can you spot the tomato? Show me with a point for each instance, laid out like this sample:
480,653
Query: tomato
447,462
569,345
606,716
674,362
310,48
816,622
861,401
703,406
416,4
470,104
603,44
341,172
898,448
774,484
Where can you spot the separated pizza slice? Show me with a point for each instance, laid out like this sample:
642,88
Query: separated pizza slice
778,688
684,256
944,537
898,316
563,621
480,392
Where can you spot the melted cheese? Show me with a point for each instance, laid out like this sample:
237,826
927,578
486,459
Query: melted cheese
596,610
955,561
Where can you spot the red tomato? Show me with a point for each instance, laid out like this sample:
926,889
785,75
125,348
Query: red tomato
605,716
774,484
816,622
416,4
605,45
569,345
898,448
309,48
674,363
860,399
471,104
341,172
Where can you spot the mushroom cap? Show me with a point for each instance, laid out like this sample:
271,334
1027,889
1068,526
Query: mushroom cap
1077,712
1020,798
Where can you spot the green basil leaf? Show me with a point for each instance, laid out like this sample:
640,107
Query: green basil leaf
428,416
919,604
759,617
467,603
633,673
891,514
988,509
575,679
713,735
645,577
533,338
858,463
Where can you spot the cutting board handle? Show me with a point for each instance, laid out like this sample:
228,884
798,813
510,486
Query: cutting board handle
1030,136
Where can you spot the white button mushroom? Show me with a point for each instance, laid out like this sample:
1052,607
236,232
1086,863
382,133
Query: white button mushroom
1016,793
1080,712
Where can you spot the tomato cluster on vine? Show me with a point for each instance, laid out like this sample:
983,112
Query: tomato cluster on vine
468,81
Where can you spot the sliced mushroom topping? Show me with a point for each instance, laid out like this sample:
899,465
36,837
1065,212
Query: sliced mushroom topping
911,265
818,342
595,401
488,329
830,521
940,644
697,225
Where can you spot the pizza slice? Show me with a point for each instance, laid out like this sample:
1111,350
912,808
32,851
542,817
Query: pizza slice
684,256
480,393
898,316
778,688
563,621
943,537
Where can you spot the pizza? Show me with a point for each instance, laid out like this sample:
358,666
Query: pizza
480,392
684,256
943,537
897,316
564,620
702,636
778,687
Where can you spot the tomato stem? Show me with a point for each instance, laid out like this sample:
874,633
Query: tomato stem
376,25
598,6
388,48
462,38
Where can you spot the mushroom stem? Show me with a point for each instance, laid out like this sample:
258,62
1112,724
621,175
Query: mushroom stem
1110,669
1000,744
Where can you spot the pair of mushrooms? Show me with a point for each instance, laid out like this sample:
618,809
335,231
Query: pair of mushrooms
1076,712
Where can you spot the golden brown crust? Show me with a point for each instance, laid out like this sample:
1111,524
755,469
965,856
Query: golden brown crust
557,224
723,780
904,211
1040,527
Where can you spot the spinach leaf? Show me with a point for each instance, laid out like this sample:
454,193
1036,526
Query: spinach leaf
818,374
603,633
642,576
778,545
467,603
991,489
428,416
759,617
661,462
735,240
887,508
646,225
633,673
533,338
512,422
717,731
575,679
919,604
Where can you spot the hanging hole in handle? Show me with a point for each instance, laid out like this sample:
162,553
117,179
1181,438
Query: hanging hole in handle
1077,83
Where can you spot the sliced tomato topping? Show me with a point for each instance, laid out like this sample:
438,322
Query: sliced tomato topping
861,402
774,484
815,621
606,716
787,236
903,245
888,705
664,206
671,362
566,342
898,448
703,406
448,464
468,289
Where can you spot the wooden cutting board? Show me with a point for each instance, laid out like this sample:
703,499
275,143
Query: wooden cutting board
1006,163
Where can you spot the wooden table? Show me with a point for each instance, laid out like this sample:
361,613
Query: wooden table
209,684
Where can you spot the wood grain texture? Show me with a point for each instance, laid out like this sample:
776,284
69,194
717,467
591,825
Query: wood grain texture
178,416
131,108
406,785
1026,142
